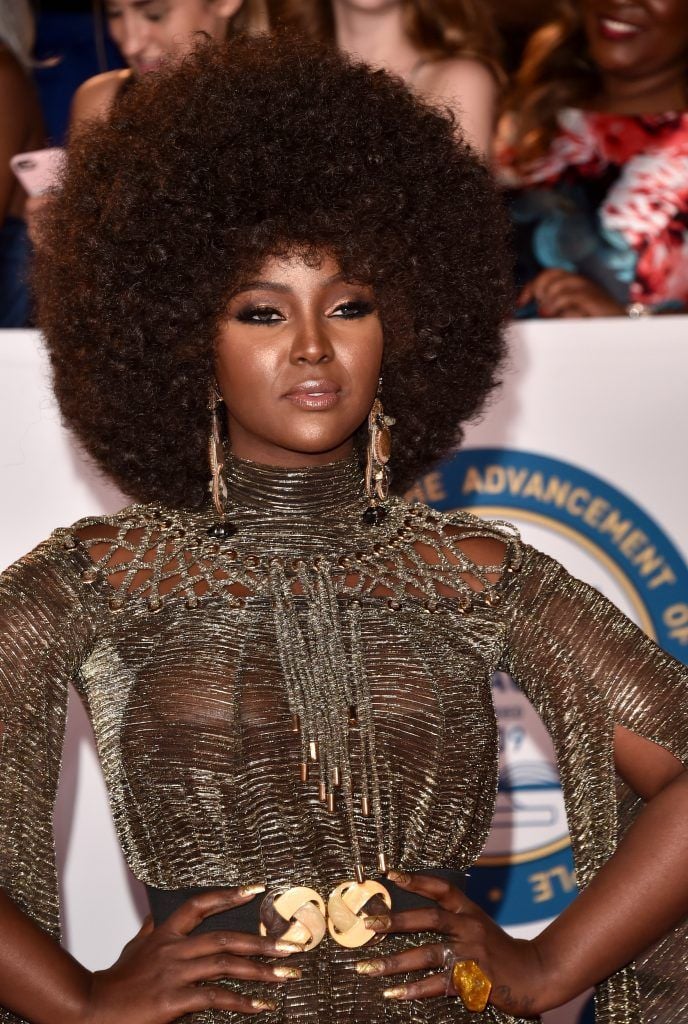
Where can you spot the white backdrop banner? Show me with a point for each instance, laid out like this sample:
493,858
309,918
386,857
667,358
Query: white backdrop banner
584,449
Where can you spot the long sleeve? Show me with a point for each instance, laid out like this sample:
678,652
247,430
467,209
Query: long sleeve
586,668
45,631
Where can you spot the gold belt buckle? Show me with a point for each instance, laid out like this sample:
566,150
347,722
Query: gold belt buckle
294,915
346,912
299,914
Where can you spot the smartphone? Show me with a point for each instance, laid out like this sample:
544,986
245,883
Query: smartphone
39,171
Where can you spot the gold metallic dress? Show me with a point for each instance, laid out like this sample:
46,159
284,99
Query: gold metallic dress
194,655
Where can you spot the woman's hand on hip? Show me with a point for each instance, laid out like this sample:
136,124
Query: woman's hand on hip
165,972
465,932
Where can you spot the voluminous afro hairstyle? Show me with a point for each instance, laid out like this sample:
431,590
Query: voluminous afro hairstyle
254,149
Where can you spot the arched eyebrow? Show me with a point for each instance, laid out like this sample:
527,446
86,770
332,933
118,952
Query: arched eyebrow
270,286
277,286
136,4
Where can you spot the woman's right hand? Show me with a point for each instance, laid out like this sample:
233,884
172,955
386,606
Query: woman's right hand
158,976
559,293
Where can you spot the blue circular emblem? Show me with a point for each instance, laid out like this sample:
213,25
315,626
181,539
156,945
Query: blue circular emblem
568,499
526,873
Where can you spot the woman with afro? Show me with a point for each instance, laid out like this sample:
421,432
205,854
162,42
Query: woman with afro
273,288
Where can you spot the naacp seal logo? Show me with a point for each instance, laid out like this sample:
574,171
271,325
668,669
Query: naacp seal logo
526,874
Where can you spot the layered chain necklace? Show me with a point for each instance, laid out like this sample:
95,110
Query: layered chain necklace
320,651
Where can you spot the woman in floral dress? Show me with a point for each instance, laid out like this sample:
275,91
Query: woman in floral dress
594,151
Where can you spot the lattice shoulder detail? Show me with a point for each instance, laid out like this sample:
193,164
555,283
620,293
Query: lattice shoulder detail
448,562
149,555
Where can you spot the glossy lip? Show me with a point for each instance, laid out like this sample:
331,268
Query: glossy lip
616,28
314,394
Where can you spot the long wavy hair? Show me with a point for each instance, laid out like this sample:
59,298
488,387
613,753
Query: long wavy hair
438,28
557,71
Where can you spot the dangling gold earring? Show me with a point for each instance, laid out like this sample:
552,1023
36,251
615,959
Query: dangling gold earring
216,457
378,454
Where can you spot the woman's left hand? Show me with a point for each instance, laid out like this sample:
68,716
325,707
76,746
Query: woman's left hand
559,293
514,966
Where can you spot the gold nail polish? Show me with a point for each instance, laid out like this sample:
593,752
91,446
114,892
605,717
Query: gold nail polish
286,972
379,923
288,947
394,993
400,877
369,966
263,1004
251,890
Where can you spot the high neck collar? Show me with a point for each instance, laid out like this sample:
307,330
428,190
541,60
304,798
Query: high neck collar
311,490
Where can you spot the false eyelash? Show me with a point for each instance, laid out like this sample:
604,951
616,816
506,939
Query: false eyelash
362,307
247,314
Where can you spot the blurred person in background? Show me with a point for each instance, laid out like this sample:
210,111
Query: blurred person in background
594,145
447,50
21,130
148,32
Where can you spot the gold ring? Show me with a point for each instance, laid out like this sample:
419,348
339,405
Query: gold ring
472,985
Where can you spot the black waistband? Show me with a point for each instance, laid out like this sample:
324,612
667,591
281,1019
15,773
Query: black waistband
246,918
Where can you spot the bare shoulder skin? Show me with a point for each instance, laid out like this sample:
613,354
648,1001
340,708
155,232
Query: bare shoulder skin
470,89
95,97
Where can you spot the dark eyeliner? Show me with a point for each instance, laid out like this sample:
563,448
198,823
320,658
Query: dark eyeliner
360,307
254,314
